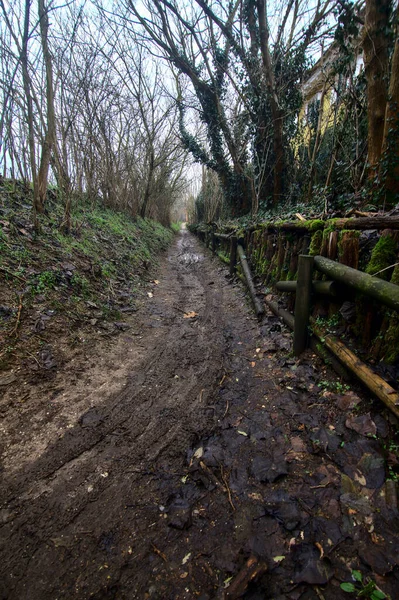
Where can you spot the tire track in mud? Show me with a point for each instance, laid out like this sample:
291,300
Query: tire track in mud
87,476
220,447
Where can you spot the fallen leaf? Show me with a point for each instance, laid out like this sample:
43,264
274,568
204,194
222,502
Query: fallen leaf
377,539
253,364
199,452
255,496
320,548
362,424
150,294
190,315
156,281
278,559
227,581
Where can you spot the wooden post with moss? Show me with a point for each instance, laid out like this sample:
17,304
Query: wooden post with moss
383,291
233,255
213,242
259,308
324,288
302,303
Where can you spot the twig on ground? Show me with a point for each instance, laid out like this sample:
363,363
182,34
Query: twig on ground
318,592
227,409
161,554
251,570
227,488
212,476
12,274
18,321
34,358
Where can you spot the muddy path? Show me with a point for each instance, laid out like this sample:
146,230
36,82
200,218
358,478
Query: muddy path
215,447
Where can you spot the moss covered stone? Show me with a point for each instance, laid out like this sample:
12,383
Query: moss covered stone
316,242
391,340
395,275
383,255
316,225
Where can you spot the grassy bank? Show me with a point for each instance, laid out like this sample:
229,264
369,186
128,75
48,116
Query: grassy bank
90,277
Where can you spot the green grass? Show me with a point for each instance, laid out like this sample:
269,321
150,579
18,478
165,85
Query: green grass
105,248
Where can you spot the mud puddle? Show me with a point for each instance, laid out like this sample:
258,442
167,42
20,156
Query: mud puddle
220,468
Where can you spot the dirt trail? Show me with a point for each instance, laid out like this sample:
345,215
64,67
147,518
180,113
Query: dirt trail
215,448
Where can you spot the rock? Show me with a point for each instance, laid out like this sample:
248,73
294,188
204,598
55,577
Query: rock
7,379
91,304
6,516
91,418
348,311
180,514
213,456
47,358
5,311
122,326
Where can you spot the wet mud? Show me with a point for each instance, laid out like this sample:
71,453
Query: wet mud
221,468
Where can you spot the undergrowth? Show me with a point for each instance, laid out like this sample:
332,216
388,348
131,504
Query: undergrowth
100,265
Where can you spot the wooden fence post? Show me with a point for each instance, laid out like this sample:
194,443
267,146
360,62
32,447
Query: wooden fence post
302,303
233,255
213,241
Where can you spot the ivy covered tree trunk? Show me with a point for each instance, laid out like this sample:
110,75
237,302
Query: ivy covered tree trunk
277,117
375,46
390,158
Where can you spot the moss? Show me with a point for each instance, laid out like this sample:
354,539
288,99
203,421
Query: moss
395,275
223,257
330,225
391,340
383,255
315,243
316,225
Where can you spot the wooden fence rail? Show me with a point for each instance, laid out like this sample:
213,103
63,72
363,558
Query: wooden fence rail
378,289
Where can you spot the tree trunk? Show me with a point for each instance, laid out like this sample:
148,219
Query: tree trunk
375,46
147,192
278,143
29,106
390,145
49,138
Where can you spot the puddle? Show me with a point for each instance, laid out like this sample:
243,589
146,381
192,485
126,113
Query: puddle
186,256
189,258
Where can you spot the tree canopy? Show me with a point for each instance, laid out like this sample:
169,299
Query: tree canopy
288,102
